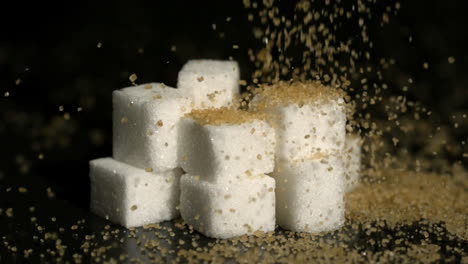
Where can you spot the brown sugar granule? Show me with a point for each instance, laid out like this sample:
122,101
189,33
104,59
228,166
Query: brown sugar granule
133,77
9,212
223,116
405,197
299,93
50,193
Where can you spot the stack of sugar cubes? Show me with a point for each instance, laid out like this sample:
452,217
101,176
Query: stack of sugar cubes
226,153
310,170
140,184
296,135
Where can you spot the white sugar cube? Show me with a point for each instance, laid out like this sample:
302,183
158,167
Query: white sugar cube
352,160
308,119
305,130
226,152
146,125
210,83
309,195
131,196
224,211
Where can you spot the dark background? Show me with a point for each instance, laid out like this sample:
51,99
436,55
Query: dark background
52,49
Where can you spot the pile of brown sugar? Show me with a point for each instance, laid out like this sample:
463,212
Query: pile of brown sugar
293,92
224,116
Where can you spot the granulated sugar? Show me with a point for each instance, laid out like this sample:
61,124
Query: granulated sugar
224,115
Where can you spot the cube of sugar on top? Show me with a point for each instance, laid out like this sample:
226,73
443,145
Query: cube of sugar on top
308,118
146,125
352,160
225,144
309,194
210,83
224,211
131,196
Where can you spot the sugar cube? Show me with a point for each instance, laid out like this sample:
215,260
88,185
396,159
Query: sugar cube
210,83
146,125
352,160
309,194
131,196
308,119
226,145
304,131
224,211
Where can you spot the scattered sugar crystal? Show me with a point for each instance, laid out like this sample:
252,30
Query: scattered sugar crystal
352,160
133,77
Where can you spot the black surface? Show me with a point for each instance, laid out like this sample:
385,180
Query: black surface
52,48
131,243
